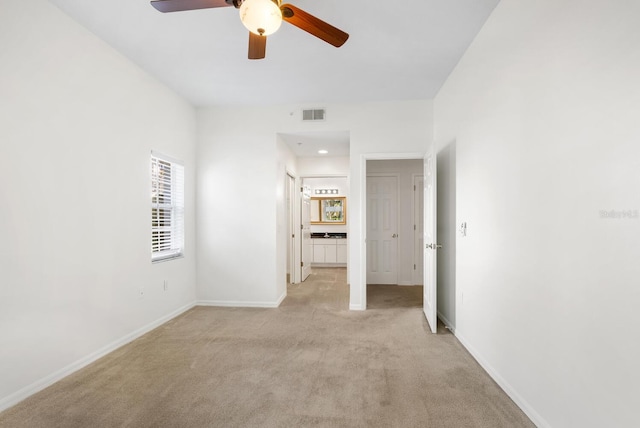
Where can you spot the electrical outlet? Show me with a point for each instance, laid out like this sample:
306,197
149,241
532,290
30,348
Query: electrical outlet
166,284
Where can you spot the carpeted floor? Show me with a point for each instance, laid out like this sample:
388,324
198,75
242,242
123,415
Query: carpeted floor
311,362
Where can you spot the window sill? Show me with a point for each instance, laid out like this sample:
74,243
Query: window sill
167,258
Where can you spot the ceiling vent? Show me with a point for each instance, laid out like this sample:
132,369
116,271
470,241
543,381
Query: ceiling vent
313,115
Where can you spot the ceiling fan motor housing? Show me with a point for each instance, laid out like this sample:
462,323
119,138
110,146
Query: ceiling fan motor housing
238,3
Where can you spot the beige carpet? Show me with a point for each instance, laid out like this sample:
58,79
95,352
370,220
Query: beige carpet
311,362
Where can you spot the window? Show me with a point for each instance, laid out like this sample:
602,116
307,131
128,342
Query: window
167,208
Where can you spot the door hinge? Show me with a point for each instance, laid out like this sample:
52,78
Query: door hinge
293,235
301,227
301,264
414,188
414,266
302,189
414,227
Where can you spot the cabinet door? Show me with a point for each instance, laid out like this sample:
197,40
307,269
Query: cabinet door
330,254
341,252
318,253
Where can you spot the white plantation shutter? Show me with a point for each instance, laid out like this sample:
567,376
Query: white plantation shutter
167,207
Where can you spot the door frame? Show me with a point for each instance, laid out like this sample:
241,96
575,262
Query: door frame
291,231
305,234
361,288
418,276
297,247
298,216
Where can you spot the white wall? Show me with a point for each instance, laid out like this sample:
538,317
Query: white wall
406,170
543,109
77,125
237,220
324,166
236,212
287,163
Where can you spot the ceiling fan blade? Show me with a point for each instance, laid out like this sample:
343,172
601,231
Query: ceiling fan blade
313,25
257,46
180,5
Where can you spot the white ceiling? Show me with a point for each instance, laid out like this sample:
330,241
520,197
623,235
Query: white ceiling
396,50
307,144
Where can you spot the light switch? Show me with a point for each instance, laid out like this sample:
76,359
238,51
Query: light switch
463,228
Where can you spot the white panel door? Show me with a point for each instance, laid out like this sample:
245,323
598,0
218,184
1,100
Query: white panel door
382,230
418,229
291,223
430,247
307,243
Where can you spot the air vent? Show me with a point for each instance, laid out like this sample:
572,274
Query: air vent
313,115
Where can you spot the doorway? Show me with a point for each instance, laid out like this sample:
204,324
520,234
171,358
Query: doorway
427,165
392,192
328,238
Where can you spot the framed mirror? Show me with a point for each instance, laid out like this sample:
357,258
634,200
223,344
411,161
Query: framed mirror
329,210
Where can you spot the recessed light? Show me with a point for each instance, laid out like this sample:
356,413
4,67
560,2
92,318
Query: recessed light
323,152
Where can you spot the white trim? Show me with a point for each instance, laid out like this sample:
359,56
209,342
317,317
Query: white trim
297,247
392,156
329,265
291,230
39,385
325,175
418,250
406,284
241,304
361,285
538,420
282,297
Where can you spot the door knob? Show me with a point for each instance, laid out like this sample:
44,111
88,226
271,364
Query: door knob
395,235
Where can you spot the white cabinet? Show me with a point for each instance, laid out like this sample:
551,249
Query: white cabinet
329,250
341,251
319,253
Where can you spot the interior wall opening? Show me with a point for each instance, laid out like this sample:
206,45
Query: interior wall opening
394,232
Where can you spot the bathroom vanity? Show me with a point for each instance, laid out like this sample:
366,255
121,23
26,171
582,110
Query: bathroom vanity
329,249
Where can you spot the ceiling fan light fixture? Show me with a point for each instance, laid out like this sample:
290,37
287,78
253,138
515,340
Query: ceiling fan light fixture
261,17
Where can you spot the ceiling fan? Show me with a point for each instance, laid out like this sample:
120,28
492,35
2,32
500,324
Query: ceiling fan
262,18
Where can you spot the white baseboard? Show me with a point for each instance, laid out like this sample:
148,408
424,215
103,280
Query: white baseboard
39,385
358,307
328,265
535,417
281,298
240,304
